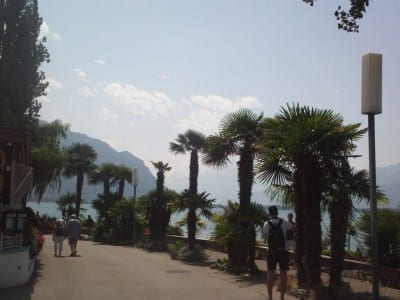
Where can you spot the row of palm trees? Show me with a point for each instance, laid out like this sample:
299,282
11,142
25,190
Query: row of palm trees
80,162
303,152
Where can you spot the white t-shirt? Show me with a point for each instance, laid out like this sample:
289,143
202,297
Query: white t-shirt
285,227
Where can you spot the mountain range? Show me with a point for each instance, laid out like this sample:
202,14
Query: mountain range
388,178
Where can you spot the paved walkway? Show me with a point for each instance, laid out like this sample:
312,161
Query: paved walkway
115,272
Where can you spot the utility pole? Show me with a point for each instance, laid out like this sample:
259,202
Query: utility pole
371,104
134,183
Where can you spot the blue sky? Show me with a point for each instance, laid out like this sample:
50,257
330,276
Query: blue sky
136,73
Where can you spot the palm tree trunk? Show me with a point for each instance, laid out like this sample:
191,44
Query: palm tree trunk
79,185
307,204
106,188
252,267
191,225
194,172
245,178
313,246
339,217
314,243
156,214
121,187
300,232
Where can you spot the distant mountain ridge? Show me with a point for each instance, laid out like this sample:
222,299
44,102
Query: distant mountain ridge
105,154
388,179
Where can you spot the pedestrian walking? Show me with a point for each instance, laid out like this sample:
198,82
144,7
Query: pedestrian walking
278,253
291,234
58,236
89,223
74,231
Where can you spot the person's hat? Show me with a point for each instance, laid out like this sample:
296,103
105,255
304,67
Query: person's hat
73,216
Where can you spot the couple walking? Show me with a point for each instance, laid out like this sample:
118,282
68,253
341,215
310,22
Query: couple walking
71,230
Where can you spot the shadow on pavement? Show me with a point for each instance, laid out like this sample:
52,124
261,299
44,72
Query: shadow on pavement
24,292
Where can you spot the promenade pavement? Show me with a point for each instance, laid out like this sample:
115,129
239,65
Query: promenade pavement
117,272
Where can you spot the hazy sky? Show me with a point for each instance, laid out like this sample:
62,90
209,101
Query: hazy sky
137,73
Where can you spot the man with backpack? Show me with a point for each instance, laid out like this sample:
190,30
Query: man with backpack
278,253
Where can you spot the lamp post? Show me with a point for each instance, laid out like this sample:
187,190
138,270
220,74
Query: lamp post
134,183
371,104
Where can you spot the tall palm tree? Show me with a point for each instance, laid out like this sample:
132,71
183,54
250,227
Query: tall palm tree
103,174
80,162
238,135
299,146
193,203
159,213
122,174
161,169
191,141
348,186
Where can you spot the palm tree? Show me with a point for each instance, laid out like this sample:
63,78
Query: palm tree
239,132
159,213
229,232
146,202
161,169
103,174
347,186
299,146
193,203
65,204
80,162
122,174
191,141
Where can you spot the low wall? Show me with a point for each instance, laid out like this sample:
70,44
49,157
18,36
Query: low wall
351,268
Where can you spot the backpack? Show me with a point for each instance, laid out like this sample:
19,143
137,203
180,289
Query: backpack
276,237
59,231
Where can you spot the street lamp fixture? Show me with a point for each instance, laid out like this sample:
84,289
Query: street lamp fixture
371,104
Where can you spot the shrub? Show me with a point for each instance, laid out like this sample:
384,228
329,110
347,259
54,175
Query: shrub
179,250
175,230
154,245
221,265
118,228
174,248
388,236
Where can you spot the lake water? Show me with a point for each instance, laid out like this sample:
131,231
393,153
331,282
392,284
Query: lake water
50,209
